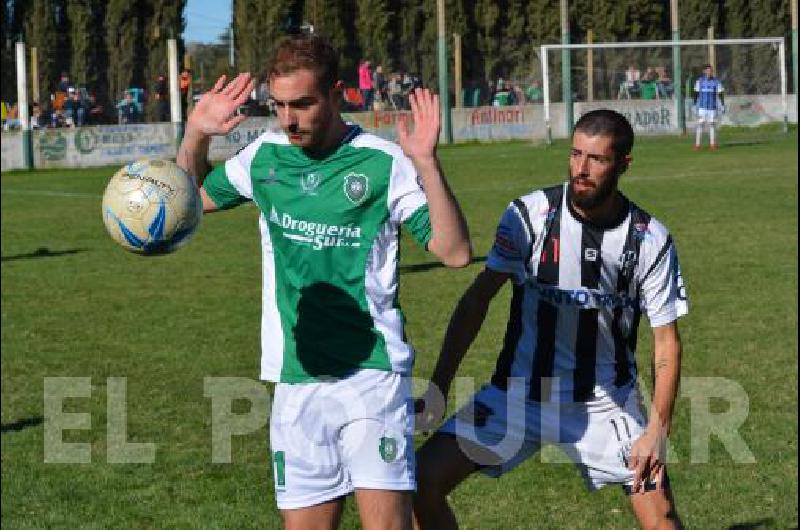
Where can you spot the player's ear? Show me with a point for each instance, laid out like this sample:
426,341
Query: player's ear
626,161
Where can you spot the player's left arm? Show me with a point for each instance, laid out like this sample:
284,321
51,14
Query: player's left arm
721,95
648,453
450,236
664,300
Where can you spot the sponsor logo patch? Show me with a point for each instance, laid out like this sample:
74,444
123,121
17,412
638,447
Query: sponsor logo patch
315,234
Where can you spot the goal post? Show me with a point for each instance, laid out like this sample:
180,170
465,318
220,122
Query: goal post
753,55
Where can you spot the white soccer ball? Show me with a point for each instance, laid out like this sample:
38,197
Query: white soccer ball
151,207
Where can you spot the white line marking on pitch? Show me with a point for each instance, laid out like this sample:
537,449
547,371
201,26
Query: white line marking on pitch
53,193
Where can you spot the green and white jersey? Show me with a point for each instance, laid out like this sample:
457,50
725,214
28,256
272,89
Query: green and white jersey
329,231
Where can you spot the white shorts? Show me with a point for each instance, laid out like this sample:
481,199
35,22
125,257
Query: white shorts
597,435
328,438
706,116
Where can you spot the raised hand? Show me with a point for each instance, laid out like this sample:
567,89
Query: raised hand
420,144
215,113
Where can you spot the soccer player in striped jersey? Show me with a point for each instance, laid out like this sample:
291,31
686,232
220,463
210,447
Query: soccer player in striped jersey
585,264
332,199
707,89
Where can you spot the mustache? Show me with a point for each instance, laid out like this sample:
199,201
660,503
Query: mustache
583,180
294,129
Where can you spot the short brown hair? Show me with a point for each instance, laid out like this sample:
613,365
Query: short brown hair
306,52
607,122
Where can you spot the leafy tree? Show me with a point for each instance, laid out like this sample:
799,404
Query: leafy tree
124,43
373,30
44,29
88,55
258,27
336,21
162,20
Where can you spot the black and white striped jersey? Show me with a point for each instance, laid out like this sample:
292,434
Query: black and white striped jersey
579,293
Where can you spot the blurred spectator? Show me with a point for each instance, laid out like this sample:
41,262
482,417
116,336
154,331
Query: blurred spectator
57,101
502,96
12,118
407,84
395,92
379,85
352,99
128,110
64,84
632,76
518,94
74,111
265,103
55,113
664,84
365,84
161,91
185,83
648,85
630,86
36,116
534,92
96,111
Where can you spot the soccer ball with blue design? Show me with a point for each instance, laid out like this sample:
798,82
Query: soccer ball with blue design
151,207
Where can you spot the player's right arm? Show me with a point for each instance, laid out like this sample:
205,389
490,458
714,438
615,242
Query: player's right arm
214,114
506,261
465,323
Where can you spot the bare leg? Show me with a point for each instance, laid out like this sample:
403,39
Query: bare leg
323,516
441,466
656,509
384,509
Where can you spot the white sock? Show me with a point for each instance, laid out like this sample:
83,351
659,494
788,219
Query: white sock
698,137
712,134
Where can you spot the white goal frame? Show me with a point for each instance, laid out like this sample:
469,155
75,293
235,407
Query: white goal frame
776,41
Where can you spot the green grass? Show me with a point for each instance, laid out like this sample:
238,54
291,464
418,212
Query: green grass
74,304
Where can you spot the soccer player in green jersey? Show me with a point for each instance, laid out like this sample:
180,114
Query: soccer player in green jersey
333,199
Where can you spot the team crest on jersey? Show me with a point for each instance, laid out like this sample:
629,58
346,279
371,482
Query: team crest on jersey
356,188
309,183
388,449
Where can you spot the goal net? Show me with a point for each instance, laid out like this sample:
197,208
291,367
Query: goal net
652,83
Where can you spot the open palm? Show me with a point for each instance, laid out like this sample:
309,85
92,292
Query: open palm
215,112
421,143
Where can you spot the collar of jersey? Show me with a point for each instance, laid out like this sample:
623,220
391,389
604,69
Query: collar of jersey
353,130
623,212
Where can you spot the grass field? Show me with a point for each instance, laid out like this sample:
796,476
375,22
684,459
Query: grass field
75,305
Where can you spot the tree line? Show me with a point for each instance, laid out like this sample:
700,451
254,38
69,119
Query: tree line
109,45
104,45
